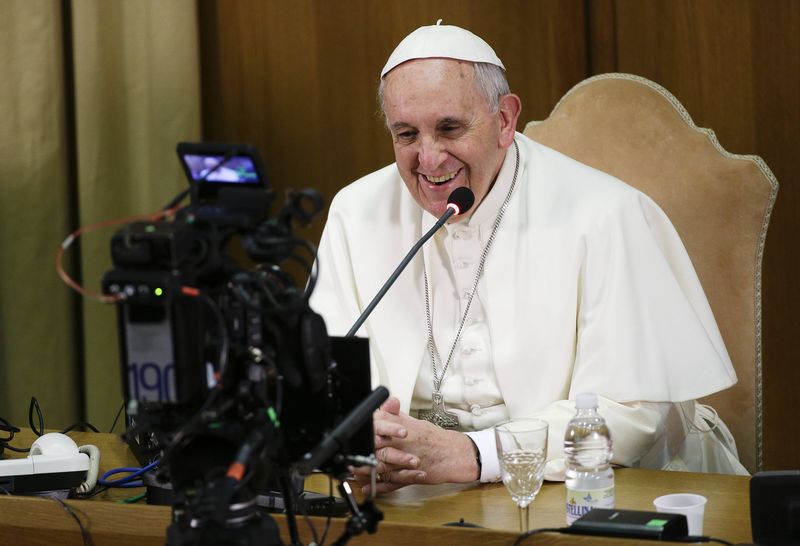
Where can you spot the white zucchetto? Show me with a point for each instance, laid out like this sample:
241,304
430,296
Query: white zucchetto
442,41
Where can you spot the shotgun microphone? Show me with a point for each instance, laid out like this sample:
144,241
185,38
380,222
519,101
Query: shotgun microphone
337,439
459,201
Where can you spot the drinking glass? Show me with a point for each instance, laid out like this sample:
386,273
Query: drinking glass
522,451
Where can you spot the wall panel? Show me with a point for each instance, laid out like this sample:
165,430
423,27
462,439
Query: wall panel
298,78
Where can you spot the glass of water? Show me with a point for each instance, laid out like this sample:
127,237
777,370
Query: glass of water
522,450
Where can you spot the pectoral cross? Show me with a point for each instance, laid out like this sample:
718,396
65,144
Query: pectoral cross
438,414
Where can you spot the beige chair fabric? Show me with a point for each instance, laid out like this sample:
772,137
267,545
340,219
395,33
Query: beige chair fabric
720,204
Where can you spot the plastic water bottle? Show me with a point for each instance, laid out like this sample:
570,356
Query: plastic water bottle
587,450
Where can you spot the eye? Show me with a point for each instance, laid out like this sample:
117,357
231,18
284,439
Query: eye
451,130
405,136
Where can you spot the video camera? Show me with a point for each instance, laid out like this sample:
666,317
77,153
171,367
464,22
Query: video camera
223,361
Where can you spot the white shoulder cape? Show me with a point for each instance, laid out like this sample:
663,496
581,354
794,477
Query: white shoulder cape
587,288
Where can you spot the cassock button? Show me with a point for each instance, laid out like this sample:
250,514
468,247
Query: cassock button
461,264
476,410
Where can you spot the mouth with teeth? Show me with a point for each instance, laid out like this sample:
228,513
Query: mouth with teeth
439,180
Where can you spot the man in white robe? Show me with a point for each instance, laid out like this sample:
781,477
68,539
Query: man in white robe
583,285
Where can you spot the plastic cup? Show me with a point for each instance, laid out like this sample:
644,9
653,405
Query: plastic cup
690,505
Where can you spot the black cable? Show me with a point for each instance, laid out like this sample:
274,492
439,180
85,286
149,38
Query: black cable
183,433
309,523
274,306
69,511
7,427
330,511
119,412
222,358
290,500
86,424
95,491
34,405
177,199
16,449
33,408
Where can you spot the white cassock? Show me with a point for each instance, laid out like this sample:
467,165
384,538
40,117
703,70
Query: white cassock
586,288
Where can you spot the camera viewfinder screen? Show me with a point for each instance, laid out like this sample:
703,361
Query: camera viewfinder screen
238,169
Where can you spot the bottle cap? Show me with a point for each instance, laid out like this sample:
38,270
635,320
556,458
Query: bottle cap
586,400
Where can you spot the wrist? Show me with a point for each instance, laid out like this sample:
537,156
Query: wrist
476,453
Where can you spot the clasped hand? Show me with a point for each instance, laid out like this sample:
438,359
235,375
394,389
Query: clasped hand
413,451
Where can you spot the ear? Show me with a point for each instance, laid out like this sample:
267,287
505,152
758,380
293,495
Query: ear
510,108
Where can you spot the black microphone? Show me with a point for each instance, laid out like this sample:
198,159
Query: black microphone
459,201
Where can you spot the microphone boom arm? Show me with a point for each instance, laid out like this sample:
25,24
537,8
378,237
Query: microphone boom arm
385,288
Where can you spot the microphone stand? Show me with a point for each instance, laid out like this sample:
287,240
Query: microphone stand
364,517
290,506
451,210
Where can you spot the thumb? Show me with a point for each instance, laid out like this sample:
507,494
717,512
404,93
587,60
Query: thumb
392,405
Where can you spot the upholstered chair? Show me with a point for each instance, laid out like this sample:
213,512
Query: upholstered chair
720,204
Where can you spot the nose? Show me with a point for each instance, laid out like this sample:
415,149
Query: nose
431,154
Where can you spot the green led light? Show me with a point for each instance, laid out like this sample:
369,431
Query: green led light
158,292
273,416
656,523
150,229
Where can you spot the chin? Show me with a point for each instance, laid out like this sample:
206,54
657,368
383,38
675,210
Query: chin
437,212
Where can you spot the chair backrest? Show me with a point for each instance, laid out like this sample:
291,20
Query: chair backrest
720,204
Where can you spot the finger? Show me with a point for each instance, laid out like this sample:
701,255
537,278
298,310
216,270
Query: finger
382,470
405,476
360,482
386,441
392,405
389,429
391,481
381,441
392,456
362,472
383,488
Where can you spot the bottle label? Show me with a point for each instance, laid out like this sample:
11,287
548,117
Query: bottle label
581,501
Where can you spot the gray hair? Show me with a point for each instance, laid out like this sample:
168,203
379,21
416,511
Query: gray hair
490,80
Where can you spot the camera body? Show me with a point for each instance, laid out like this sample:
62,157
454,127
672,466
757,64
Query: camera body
218,345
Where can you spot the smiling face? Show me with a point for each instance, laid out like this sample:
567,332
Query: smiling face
444,132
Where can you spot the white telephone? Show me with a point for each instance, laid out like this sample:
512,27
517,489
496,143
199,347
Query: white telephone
55,462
